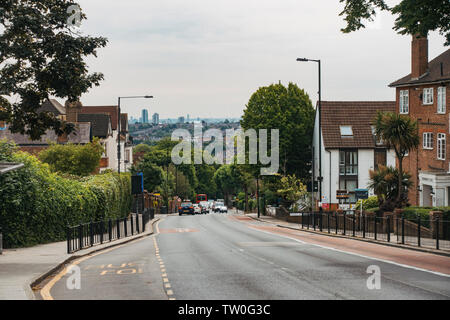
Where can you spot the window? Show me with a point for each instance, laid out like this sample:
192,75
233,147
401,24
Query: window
428,140
346,131
441,147
441,100
377,141
348,163
404,101
427,96
380,158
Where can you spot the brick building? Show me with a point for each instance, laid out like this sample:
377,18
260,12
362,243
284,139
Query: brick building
424,96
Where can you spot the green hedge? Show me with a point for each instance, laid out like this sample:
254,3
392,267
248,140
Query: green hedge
37,205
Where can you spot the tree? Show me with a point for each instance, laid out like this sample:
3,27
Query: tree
153,174
413,16
142,148
41,55
384,183
290,110
292,190
225,181
81,160
400,133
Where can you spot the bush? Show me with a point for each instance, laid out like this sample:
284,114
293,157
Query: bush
37,205
370,203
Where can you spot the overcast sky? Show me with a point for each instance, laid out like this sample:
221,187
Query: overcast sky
206,57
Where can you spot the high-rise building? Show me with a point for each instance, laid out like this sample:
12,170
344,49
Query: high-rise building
144,116
155,118
181,120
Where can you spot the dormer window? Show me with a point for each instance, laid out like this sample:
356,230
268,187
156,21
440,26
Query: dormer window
346,131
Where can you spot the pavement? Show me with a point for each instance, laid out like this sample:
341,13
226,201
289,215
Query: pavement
234,257
445,251
21,268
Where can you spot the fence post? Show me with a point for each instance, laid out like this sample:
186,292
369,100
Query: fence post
337,222
388,220
354,226
102,231
80,236
68,240
418,232
110,229
345,223
321,222
309,220
314,220
403,230
364,225
328,222
137,223
437,233
91,231
302,219
132,227
375,226
125,227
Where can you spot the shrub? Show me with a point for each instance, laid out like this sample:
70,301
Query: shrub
370,203
37,204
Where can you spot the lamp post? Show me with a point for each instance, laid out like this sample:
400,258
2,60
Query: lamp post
319,178
118,125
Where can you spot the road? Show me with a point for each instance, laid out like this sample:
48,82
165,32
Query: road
231,257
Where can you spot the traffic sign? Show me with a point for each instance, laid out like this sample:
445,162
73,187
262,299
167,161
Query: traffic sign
361,193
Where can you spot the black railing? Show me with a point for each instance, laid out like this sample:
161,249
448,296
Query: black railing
429,233
94,233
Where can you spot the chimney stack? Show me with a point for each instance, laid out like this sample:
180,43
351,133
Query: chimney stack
73,108
419,56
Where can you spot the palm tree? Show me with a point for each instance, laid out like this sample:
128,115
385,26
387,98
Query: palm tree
400,133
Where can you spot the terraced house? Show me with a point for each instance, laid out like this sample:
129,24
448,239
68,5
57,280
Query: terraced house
424,96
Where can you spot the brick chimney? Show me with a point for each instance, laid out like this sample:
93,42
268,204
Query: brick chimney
72,110
419,56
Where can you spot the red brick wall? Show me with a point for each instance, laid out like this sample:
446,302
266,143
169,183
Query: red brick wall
428,121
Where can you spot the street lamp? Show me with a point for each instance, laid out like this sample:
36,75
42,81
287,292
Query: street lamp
118,126
319,178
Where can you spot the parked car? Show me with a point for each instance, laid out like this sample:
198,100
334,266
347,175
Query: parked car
186,208
223,209
197,209
204,205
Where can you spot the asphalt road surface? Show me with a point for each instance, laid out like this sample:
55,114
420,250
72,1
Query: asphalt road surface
224,257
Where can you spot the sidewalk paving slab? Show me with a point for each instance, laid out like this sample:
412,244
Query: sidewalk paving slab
23,268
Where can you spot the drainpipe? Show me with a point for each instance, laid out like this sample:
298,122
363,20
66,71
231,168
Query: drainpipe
329,180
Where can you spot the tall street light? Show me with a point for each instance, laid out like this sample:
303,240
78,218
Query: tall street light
118,126
319,178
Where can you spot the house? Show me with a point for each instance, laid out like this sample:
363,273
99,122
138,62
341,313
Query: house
348,149
423,95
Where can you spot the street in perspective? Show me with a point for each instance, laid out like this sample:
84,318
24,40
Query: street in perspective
223,158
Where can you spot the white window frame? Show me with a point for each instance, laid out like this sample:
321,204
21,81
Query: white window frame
441,146
427,140
441,100
427,96
404,102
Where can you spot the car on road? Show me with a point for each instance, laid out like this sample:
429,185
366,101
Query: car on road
217,206
223,209
204,205
186,208
197,209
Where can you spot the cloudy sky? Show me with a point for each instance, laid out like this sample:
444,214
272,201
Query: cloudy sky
206,57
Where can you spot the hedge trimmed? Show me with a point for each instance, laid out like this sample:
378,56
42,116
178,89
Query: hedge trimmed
37,205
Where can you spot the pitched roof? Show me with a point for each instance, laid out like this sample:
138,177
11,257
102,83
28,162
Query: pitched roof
81,135
434,73
357,114
100,123
109,110
53,106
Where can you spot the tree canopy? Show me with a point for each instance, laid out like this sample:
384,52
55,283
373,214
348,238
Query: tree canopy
413,16
42,55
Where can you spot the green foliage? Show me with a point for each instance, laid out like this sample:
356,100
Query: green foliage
291,190
370,203
153,174
76,159
141,148
384,183
290,110
42,56
37,204
413,16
